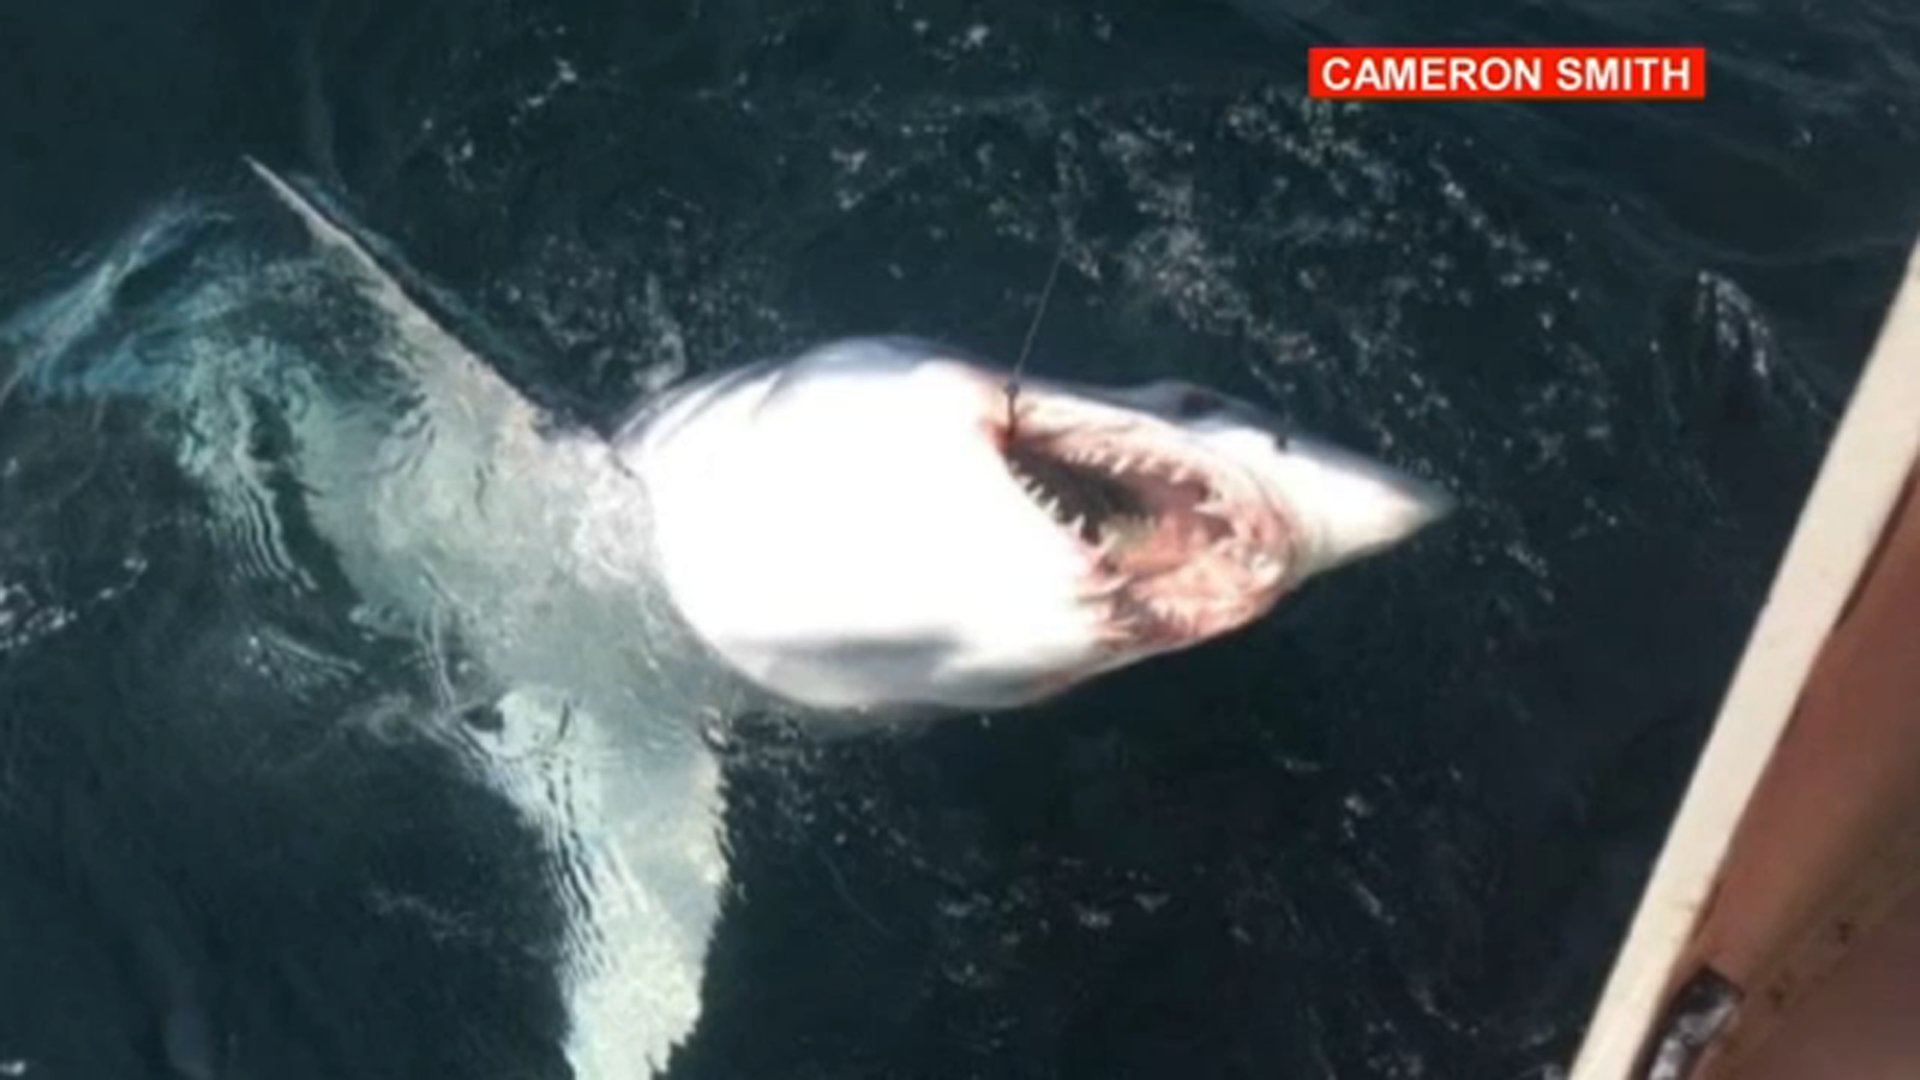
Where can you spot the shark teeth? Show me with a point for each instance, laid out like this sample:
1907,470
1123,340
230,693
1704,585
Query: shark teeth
1223,535
1121,462
1050,502
1030,486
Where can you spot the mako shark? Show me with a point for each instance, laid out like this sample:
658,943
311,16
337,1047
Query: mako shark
874,528
877,525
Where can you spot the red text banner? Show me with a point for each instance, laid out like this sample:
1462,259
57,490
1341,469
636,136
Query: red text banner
1629,73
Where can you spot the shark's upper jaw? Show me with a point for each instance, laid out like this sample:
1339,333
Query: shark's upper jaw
1179,543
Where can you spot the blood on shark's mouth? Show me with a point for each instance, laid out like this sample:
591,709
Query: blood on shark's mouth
1179,544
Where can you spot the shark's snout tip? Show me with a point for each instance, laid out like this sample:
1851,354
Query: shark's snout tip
1432,504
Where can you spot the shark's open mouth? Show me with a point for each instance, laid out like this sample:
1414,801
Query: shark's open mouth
1179,544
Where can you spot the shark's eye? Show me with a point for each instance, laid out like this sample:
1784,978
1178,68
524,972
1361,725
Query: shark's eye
1192,403
1282,442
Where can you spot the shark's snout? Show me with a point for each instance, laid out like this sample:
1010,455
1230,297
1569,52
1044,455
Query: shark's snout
1354,506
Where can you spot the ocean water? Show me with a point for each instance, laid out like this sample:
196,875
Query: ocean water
1392,831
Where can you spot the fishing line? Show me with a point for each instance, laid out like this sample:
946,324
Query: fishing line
1026,347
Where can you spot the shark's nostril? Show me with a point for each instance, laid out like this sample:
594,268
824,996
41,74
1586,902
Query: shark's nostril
1194,403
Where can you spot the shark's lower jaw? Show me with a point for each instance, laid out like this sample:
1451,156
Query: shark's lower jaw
1179,545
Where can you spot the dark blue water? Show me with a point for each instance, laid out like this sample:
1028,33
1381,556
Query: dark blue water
1393,831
